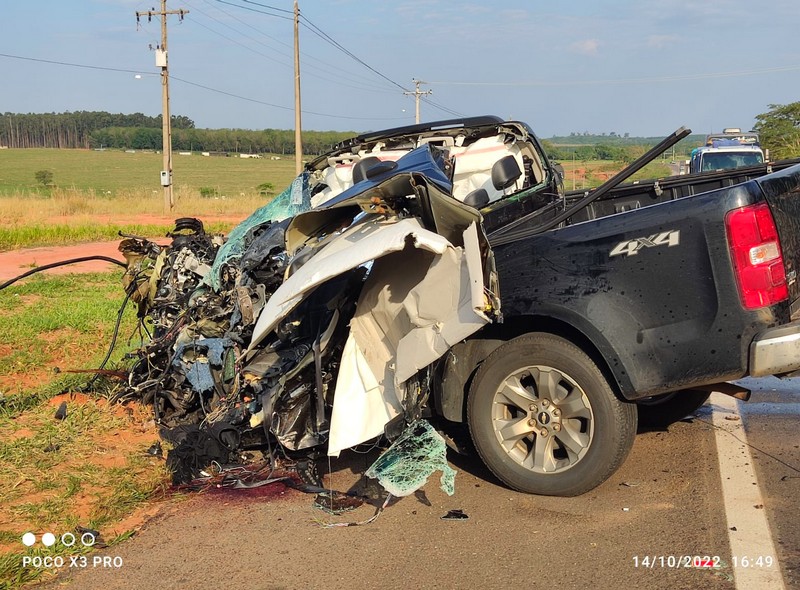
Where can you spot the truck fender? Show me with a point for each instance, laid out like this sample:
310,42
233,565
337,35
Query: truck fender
462,360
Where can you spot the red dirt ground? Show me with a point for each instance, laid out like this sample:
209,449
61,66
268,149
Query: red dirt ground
17,262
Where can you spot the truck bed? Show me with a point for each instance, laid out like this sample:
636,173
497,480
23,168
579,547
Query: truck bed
648,281
650,192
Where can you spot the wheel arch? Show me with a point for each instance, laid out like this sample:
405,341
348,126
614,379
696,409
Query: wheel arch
459,365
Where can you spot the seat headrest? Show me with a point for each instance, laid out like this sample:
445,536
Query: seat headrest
477,198
360,168
505,172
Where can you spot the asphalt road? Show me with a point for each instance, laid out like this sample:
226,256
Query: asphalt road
635,531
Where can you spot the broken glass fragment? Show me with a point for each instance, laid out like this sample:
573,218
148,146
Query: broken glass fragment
412,458
295,199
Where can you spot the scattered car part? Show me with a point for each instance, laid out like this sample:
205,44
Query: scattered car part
61,412
406,465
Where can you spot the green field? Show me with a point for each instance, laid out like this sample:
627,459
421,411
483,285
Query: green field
593,173
112,172
96,194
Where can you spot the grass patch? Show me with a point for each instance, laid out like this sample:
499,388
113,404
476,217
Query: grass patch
112,173
30,236
63,321
593,173
89,469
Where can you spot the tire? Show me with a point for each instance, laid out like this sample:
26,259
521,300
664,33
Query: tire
545,420
670,408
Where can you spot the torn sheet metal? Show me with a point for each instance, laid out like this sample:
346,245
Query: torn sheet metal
409,462
444,307
374,239
414,306
332,318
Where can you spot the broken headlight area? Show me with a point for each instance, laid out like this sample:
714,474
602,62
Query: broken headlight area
315,333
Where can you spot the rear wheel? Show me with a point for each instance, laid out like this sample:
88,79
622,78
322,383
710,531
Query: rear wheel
672,407
545,420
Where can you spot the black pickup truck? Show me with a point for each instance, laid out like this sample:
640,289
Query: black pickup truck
440,270
657,292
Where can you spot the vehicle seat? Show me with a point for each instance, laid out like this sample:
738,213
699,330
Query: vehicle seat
478,198
360,168
505,172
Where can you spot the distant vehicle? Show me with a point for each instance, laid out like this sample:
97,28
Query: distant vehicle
727,150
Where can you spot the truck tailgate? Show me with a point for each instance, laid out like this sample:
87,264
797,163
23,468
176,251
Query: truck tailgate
782,191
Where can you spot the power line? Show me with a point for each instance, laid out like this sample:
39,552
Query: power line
74,65
324,36
630,80
287,45
236,18
372,89
236,42
441,107
281,63
285,108
255,10
268,6
209,88
328,39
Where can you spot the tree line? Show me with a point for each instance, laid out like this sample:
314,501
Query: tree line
779,129
99,129
273,141
72,130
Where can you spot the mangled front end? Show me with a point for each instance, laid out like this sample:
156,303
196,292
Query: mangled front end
375,286
427,272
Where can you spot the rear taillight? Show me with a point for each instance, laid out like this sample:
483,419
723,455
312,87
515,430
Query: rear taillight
757,257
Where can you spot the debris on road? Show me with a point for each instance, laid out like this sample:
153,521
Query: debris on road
61,412
413,457
455,515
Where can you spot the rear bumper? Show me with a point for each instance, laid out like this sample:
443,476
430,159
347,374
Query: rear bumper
776,351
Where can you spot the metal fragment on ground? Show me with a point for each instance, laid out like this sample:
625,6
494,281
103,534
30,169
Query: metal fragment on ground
457,514
335,503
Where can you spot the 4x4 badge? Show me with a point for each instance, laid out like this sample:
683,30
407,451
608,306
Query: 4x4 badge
631,247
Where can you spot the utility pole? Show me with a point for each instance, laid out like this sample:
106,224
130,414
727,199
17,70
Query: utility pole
166,123
417,93
298,139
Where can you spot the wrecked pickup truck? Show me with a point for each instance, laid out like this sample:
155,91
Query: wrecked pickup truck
440,272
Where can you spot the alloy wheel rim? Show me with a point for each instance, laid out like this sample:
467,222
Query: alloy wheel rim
542,419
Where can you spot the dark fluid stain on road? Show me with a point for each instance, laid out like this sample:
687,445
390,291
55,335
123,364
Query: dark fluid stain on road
267,492
227,492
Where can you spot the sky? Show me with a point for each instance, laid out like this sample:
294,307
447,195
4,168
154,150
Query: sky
640,67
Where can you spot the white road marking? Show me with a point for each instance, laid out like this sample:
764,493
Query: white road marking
741,494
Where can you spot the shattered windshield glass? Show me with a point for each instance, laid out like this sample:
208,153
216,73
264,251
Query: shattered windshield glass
295,199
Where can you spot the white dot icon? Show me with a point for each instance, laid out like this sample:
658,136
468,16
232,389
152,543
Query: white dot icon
48,539
28,539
